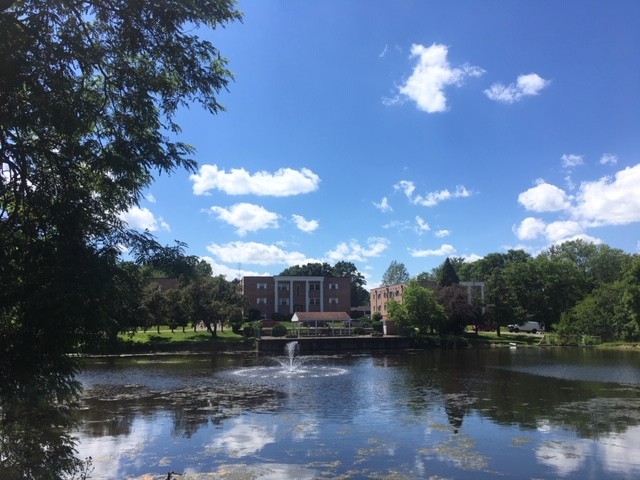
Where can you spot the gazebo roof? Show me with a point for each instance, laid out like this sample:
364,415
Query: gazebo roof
320,317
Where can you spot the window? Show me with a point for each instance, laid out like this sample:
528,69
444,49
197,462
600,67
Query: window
314,286
261,301
262,286
333,286
283,301
283,287
314,301
333,300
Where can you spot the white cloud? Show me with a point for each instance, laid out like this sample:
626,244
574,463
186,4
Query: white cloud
354,252
421,225
246,217
150,198
282,183
244,439
526,85
610,201
570,160
383,206
431,75
562,230
544,197
231,272
143,219
443,233
444,249
305,225
431,199
254,253
530,228
384,51
608,159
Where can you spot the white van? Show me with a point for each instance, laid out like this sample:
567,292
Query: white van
532,327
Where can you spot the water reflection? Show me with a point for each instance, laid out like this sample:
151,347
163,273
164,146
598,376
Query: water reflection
461,414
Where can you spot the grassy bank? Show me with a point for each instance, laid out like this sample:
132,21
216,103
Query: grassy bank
167,341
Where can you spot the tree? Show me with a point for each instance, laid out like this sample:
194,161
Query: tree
395,273
359,295
455,302
419,310
309,270
89,91
448,275
213,301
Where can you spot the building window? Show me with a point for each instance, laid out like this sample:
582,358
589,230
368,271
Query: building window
314,286
333,300
283,301
283,287
314,301
333,286
262,286
261,301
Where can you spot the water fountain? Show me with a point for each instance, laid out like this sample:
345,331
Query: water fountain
292,365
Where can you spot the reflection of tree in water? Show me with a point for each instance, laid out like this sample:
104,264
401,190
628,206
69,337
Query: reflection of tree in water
111,409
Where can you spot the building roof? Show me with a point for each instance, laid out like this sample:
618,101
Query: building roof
320,317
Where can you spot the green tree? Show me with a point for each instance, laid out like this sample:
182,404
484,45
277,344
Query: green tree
419,310
89,92
395,273
309,270
455,302
359,295
447,276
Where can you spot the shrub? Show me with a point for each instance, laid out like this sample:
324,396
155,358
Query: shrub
358,331
279,330
377,327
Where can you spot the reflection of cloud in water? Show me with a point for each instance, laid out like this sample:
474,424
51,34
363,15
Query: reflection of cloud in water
108,453
618,453
265,471
307,427
565,457
243,439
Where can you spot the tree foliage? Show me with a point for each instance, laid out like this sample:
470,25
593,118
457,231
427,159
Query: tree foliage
419,310
89,91
395,273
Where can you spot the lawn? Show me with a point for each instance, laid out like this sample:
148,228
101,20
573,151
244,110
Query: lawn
166,336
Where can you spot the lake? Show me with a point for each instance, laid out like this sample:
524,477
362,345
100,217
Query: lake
472,413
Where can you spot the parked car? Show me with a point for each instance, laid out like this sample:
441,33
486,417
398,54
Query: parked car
357,323
532,327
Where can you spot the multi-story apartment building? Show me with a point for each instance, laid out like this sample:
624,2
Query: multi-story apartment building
381,296
285,295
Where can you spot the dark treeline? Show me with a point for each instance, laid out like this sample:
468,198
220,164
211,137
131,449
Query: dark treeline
576,288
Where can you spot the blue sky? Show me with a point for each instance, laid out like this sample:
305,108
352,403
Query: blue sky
410,131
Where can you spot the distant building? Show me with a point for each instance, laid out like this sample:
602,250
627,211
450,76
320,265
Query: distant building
381,296
286,295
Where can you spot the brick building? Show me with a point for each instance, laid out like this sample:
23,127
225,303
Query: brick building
381,296
285,295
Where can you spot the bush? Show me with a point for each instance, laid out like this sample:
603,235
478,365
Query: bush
358,331
279,330
377,327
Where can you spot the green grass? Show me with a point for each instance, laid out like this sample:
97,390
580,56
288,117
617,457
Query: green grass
165,336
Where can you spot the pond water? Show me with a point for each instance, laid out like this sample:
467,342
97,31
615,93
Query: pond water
509,413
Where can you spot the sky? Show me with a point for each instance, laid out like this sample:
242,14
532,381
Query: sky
410,131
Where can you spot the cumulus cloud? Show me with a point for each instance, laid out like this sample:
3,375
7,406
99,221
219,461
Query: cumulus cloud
254,253
305,225
610,201
570,160
607,201
530,228
352,251
444,249
282,183
443,233
525,85
431,199
608,159
383,206
544,197
246,217
143,219
431,75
